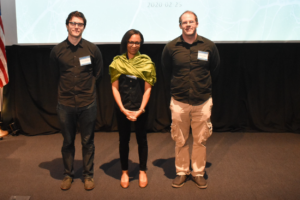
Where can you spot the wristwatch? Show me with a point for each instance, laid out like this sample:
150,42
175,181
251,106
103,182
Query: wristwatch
143,110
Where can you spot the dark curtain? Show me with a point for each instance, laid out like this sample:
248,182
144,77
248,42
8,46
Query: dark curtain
257,90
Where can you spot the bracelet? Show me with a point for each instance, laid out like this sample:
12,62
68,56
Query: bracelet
143,110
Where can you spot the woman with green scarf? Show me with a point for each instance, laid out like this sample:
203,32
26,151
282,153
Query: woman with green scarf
132,77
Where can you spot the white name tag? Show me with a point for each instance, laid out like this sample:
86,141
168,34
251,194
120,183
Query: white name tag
86,60
202,55
131,76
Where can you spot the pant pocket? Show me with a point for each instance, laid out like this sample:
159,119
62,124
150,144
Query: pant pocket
173,131
209,130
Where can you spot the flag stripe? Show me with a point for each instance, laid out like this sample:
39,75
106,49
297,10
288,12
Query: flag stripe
2,48
3,69
1,24
3,60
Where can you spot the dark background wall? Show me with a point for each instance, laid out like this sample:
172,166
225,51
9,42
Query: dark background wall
257,90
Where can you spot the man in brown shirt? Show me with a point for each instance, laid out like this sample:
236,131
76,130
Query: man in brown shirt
190,64
79,63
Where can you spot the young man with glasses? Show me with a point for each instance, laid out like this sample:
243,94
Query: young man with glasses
190,63
78,63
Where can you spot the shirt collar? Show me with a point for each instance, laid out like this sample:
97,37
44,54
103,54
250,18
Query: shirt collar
198,39
69,44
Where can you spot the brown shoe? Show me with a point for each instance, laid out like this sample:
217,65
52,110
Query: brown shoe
200,181
89,183
125,179
179,181
66,183
143,180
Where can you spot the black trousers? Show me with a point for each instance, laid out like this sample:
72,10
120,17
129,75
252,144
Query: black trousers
124,126
68,118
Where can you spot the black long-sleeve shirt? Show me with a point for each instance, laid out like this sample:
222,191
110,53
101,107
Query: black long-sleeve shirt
79,66
189,69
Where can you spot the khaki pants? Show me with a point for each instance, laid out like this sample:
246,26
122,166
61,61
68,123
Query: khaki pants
185,116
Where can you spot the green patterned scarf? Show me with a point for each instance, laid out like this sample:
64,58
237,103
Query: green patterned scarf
140,66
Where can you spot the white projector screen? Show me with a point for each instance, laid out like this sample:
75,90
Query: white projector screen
43,21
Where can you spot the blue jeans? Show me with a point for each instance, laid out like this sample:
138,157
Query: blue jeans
85,117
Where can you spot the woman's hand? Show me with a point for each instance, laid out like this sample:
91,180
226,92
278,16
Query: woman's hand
126,112
136,114
132,115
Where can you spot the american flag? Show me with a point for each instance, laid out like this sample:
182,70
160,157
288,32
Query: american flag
3,63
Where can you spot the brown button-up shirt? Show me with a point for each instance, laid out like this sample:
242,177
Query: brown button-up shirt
79,66
189,69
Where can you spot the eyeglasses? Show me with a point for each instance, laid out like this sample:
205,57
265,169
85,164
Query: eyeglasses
186,23
131,43
78,24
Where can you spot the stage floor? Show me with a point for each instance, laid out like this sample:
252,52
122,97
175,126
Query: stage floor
239,166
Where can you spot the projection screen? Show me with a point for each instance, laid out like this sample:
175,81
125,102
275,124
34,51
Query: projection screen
43,21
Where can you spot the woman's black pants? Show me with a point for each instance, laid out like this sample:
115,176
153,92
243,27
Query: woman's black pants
124,126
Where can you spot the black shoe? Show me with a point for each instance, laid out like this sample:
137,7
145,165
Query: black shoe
179,181
89,183
66,183
200,181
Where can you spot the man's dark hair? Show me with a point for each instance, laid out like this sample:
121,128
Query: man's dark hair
188,11
126,37
76,14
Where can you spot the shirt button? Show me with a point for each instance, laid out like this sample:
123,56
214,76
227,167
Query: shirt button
75,76
130,80
130,88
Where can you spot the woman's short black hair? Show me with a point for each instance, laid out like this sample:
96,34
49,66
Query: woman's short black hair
126,37
76,14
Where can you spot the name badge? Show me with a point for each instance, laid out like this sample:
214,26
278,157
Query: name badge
202,55
86,60
131,76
